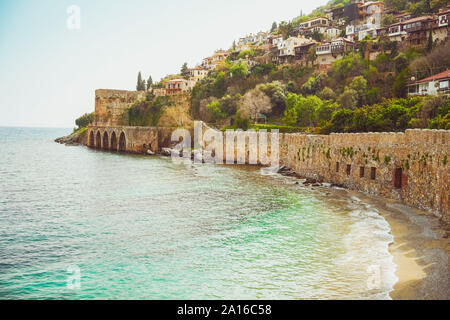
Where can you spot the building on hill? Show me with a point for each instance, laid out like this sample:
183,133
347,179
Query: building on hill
434,85
179,85
440,30
207,63
371,12
345,14
287,48
319,24
301,51
329,52
332,33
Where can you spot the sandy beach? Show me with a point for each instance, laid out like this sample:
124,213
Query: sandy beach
421,249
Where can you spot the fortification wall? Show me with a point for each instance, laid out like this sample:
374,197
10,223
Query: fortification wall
412,167
110,105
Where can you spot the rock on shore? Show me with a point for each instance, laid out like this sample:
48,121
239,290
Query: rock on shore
75,139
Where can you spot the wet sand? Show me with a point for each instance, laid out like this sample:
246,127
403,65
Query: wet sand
421,249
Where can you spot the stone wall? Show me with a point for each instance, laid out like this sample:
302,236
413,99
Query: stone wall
412,167
110,105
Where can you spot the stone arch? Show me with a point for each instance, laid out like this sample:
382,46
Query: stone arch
113,141
122,142
91,139
105,141
98,140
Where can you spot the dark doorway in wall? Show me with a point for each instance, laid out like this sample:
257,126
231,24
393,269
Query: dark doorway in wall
398,174
361,172
373,173
349,169
337,166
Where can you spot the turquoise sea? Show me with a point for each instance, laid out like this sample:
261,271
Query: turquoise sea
77,223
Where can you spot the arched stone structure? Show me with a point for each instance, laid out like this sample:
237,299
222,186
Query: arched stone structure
105,141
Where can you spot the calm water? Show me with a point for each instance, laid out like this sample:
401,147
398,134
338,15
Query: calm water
146,228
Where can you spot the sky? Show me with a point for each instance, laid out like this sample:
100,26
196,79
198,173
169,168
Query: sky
51,65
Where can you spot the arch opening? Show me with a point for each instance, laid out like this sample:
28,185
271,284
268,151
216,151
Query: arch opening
122,142
98,140
105,141
113,142
91,139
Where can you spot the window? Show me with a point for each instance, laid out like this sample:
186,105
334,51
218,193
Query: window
337,166
349,169
373,173
361,172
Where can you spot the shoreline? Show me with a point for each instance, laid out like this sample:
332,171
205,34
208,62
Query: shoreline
420,250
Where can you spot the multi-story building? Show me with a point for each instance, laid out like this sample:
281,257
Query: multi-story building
198,73
287,47
179,85
434,85
319,24
412,32
302,51
329,52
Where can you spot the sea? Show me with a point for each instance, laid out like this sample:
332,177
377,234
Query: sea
82,224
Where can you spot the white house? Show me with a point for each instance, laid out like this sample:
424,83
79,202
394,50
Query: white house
431,86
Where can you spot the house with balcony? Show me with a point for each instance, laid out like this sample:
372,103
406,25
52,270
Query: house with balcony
301,51
329,52
179,85
198,73
287,48
412,32
431,86
319,24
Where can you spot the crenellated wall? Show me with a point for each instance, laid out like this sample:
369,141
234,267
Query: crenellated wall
110,105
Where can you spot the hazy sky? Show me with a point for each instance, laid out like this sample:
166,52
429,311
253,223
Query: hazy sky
49,73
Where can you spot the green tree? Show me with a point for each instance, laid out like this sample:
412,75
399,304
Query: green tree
84,120
215,111
274,27
348,99
239,71
359,84
184,70
140,86
290,116
149,82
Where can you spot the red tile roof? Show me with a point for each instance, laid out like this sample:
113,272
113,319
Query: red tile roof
439,76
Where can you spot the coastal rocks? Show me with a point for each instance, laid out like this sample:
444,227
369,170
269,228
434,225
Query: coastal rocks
74,139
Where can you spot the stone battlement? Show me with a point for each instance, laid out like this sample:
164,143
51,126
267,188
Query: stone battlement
110,105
